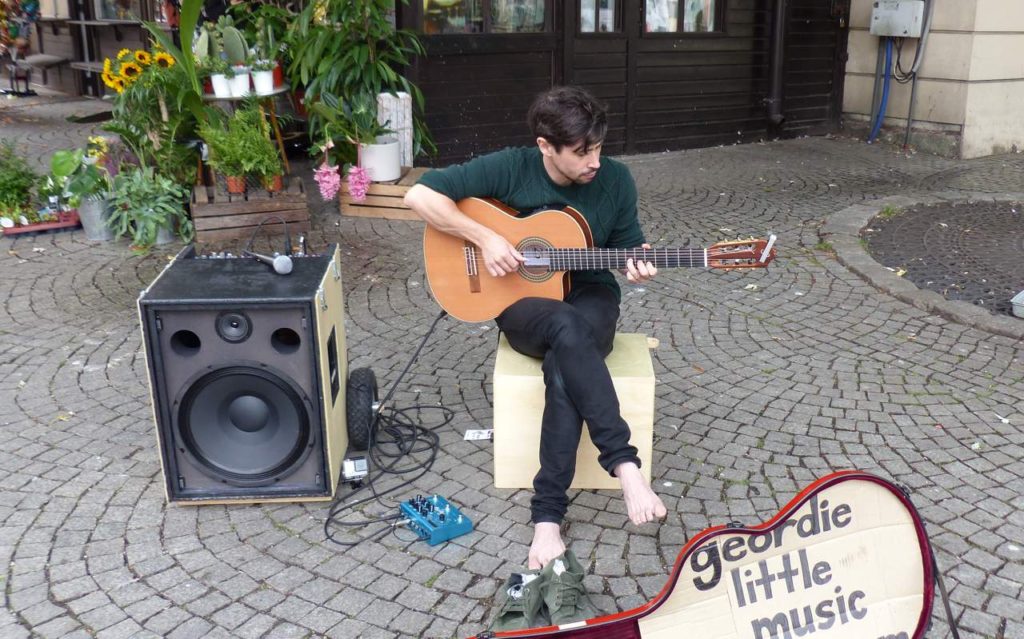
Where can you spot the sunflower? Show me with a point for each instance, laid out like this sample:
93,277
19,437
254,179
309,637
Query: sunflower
163,60
143,57
123,53
130,71
118,85
108,79
108,66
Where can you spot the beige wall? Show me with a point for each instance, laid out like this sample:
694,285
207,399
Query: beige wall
971,83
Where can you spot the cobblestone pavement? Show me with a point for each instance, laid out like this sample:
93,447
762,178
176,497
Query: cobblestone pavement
760,391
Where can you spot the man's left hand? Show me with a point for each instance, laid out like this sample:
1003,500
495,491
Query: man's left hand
639,272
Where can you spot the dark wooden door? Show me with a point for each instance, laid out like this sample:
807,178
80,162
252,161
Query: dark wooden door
597,56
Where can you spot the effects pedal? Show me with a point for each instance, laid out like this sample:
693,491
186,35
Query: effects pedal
435,519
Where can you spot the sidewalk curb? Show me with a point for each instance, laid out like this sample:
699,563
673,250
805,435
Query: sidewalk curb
842,230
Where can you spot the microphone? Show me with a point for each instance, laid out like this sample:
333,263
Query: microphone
282,264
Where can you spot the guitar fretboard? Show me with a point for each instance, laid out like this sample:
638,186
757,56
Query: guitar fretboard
588,259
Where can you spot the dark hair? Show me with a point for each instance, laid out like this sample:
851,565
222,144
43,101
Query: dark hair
567,115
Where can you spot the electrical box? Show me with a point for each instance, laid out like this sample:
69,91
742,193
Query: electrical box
897,18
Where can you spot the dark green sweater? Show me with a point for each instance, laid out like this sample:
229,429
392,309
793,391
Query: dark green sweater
516,177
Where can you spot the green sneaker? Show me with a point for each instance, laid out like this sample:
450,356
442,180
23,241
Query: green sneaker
564,595
522,604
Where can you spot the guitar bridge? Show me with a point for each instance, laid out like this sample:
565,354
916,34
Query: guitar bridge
472,268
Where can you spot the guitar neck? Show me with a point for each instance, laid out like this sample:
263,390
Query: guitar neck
588,259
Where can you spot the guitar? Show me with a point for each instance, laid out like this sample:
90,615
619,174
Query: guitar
847,558
553,243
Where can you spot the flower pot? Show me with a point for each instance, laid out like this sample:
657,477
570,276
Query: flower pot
278,75
240,83
221,85
164,235
94,213
263,82
274,184
236,184
382,160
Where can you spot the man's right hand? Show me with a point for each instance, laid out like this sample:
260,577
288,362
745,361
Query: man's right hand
500,257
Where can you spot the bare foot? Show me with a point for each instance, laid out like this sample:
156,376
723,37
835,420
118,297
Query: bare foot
547,544
642,503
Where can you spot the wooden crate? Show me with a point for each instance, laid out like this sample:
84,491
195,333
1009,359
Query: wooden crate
384,199
219,216
519,405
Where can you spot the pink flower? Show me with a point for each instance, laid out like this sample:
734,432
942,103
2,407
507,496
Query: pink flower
328,179
358,183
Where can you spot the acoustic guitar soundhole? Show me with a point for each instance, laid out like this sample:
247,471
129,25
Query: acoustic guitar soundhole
537,267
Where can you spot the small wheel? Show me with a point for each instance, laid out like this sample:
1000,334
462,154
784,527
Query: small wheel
360,398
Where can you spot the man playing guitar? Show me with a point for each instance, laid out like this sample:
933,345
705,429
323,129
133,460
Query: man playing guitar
572,336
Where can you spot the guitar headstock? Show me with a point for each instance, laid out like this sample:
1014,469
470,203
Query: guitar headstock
752,253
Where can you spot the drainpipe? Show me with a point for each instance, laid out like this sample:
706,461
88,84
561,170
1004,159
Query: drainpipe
776,69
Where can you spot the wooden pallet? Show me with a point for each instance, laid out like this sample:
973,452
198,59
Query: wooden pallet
384,199
219,216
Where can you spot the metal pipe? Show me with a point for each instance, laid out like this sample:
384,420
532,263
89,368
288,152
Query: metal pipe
777,68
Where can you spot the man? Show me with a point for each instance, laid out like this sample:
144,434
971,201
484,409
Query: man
572,336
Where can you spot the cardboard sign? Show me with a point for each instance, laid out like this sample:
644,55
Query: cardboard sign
846,559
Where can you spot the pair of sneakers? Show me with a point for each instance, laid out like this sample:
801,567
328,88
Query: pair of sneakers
553,596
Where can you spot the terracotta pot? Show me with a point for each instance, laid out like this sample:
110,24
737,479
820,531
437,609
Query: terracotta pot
278,75
274,184
235,184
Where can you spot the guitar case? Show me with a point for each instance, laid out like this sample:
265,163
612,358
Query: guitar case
847,558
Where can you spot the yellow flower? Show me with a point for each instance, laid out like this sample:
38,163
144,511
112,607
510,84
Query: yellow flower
163,60
143,57
108,79
130,71
123,53
108,66
119,85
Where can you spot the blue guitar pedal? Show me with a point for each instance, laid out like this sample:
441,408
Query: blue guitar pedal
435,519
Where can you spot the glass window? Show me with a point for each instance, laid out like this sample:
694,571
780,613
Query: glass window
686,16
598,16
484,16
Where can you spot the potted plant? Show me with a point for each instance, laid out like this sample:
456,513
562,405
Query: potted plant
242,148
355,122
17,180
148,207
236,52
349,47
209,59
264,61
273,22
79,179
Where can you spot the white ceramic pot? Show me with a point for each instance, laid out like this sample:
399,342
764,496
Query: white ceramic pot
221,87
263,82
240,83
382,161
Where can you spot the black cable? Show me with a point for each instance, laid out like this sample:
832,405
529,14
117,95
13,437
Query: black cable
255,231
393,438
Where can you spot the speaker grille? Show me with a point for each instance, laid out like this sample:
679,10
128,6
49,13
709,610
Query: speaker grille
244,426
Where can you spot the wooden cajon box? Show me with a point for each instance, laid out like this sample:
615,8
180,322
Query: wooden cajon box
519,406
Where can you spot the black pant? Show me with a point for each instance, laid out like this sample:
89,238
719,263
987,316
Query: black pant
573,337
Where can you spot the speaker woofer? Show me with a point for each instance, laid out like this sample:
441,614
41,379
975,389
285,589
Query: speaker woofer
244,426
